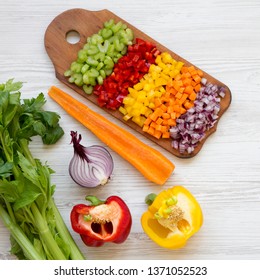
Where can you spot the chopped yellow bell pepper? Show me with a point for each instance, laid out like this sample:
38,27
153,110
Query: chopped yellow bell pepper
174,215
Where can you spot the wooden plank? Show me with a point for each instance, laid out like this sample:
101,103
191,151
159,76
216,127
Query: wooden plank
86,23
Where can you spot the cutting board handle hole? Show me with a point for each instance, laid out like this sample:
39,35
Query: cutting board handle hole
72,37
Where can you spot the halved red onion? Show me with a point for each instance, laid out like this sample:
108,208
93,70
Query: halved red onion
191,126
90,166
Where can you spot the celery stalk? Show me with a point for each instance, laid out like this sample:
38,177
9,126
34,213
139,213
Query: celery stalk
65,234
19,236
26,194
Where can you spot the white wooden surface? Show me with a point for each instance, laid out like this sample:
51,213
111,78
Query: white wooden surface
221,37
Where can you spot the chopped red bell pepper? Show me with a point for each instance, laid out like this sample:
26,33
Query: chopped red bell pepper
102,221
128,71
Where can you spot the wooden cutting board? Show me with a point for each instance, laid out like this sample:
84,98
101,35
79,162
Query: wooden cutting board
62,54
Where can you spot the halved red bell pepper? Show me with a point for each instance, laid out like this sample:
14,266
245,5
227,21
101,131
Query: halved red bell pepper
102,221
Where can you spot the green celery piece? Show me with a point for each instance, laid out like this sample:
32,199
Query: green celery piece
103,47
67,73
92,81
27,247
109,62
71,80
116,27
99,56
92,50
45,234
109,23
84,68
130,34
97,39
124,51
89,78
100,66
111,50
78,78
88,89
93,73
118,46
75,67
82,56
106,33
91,61
100,80
108,71
86,78
102,73
64,233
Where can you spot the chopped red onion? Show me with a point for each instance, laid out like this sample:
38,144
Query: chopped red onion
191,126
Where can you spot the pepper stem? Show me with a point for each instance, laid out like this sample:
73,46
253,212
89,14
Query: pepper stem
94,200
149,199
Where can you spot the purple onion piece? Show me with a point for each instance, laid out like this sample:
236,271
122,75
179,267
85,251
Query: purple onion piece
90,166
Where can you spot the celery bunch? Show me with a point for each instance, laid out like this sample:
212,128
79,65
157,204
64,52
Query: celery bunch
27,208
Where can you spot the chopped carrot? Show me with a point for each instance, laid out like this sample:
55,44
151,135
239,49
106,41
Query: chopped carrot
200,73
197,87
157,134
166,134
159,120
193,96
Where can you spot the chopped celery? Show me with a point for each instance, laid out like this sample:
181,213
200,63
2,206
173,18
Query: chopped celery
71,79
93,73
100,65
91,61
102,73
82,55
106,33
92,50
108,71
67,73
88,89
103,48
111,50
116,27
97,39
100,56
100,80
78,79
118,46
100,52
76,67
84,68
109,23
109,64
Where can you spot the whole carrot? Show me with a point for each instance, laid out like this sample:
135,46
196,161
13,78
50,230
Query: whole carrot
150,162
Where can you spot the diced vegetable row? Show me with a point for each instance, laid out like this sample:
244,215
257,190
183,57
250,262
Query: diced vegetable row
148,87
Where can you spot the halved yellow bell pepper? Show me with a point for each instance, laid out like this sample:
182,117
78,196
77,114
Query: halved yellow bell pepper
174,215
